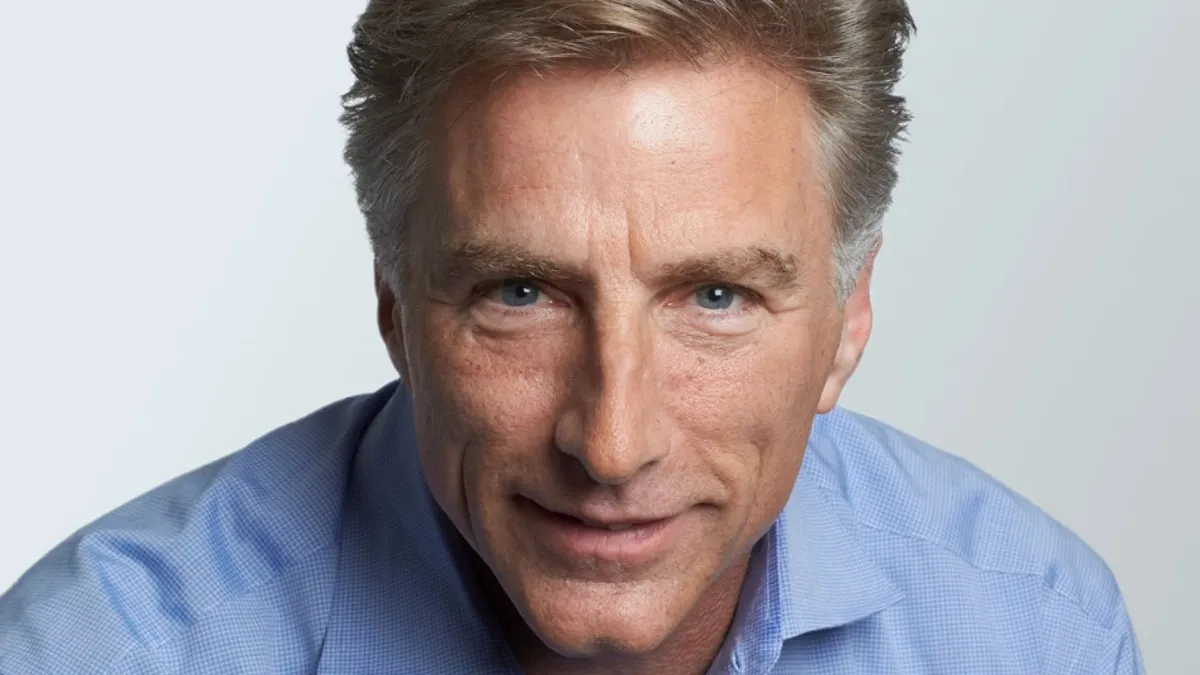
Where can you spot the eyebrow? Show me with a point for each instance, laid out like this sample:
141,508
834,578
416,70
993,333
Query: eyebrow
485,259
752,265
757,265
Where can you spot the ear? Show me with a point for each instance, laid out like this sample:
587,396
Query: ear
856,330
391,329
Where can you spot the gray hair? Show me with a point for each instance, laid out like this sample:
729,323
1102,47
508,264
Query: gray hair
406,55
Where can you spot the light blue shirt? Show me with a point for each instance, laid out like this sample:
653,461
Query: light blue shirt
318,549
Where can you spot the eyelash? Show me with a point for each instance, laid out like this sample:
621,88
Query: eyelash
483,289
749,298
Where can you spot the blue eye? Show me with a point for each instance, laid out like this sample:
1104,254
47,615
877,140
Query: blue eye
518,293
716,298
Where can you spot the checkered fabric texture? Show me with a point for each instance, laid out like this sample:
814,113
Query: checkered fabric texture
317,549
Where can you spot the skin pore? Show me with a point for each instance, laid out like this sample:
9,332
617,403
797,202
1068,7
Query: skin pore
616,339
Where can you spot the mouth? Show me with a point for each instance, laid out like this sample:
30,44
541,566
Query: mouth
627,542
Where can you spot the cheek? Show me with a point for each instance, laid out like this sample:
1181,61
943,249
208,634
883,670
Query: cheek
761,386
485,408
498,389
748,412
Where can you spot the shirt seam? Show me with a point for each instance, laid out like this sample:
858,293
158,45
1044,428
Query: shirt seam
205,611
977,566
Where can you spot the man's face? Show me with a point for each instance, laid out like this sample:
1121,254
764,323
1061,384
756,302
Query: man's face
617,335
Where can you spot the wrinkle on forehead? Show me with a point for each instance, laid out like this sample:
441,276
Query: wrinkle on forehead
602,165
660,109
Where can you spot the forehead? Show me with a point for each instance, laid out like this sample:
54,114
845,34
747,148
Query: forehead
663,153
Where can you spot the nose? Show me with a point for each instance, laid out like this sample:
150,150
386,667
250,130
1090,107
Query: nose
613,427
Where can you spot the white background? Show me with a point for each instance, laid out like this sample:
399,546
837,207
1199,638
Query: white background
182,267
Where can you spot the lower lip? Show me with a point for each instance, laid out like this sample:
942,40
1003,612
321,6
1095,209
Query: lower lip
640,544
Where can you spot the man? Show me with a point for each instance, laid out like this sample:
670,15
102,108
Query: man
624,252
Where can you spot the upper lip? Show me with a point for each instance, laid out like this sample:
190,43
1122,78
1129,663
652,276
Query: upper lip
604,517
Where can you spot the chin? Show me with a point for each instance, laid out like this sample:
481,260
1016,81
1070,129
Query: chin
587,619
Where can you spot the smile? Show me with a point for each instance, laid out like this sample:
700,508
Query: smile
627,542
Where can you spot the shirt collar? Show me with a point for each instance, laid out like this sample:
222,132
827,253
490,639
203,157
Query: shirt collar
825,577
405,600
810,572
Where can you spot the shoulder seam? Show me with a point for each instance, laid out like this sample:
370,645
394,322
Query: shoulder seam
983,568
205,611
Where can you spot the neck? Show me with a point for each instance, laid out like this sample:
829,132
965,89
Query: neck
689,650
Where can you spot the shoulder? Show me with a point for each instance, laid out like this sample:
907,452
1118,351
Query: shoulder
166,562
925,506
